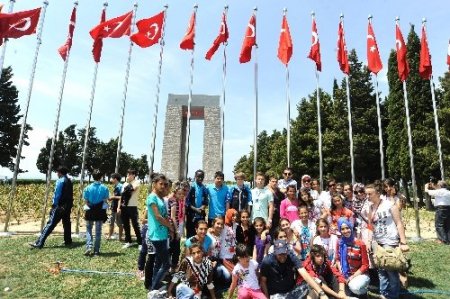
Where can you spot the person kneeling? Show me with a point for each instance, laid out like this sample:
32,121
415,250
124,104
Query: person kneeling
195,272
327,276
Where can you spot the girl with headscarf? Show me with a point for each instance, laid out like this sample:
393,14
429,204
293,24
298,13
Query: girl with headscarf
352,260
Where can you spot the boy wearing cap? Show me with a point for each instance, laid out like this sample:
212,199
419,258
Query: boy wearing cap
283,286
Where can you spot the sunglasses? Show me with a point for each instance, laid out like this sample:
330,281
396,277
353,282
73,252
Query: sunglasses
306,181
359,192
331,185
287,173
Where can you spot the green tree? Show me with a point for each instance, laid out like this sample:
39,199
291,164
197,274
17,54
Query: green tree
443,95
9,120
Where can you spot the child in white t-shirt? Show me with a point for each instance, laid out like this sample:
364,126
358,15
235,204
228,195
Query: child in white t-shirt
245,276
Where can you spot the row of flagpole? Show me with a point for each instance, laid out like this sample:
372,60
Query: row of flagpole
250,33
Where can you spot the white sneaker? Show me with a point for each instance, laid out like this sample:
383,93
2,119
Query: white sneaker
152,294
139,248
127,245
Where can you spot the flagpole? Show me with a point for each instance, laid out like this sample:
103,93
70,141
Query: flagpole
125,89
411,158
23,128
86,139
158,91
436,121
319,123
55,133
380,128
2,57
349,116
188,120
436,124
255,141
224,82
288,111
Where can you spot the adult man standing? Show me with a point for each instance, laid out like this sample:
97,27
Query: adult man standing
196,203
128,208
278,275
442,203
217,197
61,206
324,200
262,200
287,180
277,198
239,196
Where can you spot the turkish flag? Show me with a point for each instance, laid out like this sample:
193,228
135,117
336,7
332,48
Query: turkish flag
448,54
285,46
113,28
249,41
402,62
187,43
425,67
374,63
64,49
18,24
342,57
149,30
220,39
314,52
98,42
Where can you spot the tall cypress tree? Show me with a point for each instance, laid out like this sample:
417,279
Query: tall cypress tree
443,98
364,121
9,120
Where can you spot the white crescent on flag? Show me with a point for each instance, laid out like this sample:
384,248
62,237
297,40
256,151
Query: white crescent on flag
398,44
369,36
155,31
252,28
25,26
222,28
316,38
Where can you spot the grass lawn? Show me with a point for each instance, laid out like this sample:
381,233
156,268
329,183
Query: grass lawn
27,272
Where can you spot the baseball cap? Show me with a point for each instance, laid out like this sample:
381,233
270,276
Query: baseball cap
280,247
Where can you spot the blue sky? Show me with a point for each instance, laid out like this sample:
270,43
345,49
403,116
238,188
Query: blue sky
208,74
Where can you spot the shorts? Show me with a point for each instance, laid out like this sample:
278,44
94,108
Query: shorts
115,218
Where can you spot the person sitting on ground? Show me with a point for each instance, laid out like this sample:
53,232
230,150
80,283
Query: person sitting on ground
95,195
239,196
279,272
195,272
114,201
245,275
329,277
352,260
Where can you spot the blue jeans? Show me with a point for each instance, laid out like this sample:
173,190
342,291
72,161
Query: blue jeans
161,262
222,278
389,283
184,292
98,235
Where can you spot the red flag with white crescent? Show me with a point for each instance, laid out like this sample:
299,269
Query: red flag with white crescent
149,31
342,56
374,63
187,43
98,42
314,52
18,24
114,28
285,46
65,49
402,62
425,67
220,39
249,41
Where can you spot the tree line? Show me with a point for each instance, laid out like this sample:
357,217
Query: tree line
336,144
69,145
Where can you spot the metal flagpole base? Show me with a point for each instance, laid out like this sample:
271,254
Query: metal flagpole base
6,234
